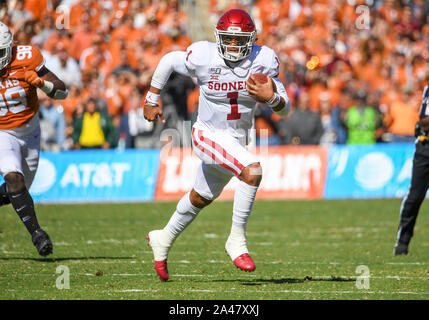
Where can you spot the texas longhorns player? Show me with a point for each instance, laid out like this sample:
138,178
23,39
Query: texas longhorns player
22,71
225,114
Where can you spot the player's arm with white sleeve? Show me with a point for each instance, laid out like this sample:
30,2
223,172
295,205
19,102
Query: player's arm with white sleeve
172,61
278,99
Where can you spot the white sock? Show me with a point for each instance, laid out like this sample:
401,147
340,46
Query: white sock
236,244
244,198
185,213
161,242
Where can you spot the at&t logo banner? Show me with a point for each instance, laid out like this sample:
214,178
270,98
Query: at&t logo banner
96,175
376,171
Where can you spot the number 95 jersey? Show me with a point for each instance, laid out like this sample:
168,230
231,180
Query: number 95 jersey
224,103
18,100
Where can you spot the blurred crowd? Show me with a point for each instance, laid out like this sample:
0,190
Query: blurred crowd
354,70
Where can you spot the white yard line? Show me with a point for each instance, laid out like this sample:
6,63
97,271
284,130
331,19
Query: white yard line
360,292
318,292
143,275
132,290
344,292
313,277
406,263
95,260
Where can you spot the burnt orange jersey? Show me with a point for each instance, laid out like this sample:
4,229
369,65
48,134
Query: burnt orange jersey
18,100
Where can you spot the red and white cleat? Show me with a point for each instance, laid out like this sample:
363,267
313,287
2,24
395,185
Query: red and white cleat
245,262
236,248
158,250
161,269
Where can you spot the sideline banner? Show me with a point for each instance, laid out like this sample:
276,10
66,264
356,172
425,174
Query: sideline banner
96,176
288,172
375,171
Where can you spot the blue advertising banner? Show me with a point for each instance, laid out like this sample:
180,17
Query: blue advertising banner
95,176
374,171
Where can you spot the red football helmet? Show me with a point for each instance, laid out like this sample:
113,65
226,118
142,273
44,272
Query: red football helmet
235,35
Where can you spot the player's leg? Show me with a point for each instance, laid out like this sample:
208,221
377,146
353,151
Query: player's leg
162,240
244,197
229,155
411,203
21,200
209,183
13,168
4,196
12,148
29,166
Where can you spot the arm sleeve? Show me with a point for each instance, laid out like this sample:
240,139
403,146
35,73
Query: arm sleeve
173,61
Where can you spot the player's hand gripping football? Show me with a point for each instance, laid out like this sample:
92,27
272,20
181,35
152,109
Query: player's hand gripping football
31,77
260,88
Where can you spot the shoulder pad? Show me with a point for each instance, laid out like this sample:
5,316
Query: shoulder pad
199,53
269,59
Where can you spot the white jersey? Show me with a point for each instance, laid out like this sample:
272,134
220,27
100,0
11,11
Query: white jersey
224,103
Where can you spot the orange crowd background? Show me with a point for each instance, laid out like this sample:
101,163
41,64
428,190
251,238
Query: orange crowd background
107,50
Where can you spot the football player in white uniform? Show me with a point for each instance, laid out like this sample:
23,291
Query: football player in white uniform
22,71
228,94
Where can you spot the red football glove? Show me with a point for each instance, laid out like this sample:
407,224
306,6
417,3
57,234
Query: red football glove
31,77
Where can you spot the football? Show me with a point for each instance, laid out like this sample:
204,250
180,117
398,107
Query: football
263,78
260,77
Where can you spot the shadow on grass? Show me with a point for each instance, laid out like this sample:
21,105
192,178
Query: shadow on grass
65,259
258,282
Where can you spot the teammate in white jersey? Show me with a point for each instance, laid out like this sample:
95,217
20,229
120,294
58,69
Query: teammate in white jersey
226,109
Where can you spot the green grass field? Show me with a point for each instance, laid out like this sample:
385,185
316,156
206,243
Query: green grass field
302,250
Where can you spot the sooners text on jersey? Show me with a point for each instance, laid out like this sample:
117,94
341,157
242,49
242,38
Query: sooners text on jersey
18,100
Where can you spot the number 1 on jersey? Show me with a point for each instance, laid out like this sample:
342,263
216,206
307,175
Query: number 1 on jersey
233,101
